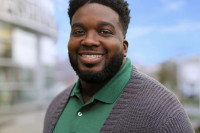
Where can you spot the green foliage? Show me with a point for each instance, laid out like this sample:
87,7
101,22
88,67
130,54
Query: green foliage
189,101
168,75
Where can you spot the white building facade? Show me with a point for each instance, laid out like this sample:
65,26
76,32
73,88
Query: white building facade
188,75
28,34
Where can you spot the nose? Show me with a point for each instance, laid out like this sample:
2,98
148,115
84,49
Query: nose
91,39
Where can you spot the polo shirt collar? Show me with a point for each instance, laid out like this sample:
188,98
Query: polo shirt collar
75,89
112,90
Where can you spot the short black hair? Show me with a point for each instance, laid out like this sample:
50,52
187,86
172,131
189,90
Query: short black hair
119,6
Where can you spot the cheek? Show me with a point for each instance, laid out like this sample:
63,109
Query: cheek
114,47
72,45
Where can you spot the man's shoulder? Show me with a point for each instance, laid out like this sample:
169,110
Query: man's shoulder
152,94
147,84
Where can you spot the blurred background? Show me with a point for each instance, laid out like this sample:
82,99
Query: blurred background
164,42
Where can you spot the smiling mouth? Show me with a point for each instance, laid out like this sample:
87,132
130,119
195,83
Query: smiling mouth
91,56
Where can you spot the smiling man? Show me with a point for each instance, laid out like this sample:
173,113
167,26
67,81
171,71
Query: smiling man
110,94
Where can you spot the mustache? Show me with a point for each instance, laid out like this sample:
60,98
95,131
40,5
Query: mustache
92,48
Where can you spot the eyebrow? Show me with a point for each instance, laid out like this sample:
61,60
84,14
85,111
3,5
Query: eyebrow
77,25
99,23
105,24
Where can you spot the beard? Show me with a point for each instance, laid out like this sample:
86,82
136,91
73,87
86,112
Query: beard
109,70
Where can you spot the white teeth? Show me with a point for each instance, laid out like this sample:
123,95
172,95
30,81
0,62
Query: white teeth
92,56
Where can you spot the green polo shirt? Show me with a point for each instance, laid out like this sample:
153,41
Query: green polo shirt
78,117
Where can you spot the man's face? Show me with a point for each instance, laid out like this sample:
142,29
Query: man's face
97,48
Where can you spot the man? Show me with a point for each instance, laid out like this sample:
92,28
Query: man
110,94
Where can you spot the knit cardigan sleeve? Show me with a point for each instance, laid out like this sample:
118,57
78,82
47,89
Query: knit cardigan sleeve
177,124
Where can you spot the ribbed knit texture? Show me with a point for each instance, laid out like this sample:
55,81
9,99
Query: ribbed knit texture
145,106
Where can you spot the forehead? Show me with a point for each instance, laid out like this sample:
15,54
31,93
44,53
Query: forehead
95,12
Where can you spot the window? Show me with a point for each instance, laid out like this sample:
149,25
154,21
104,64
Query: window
5,40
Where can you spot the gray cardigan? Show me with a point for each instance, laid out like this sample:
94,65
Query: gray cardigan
145,106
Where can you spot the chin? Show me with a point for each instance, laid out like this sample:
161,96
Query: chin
108,71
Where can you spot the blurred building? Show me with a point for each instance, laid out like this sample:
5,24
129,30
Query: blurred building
182,74
28,34
188,75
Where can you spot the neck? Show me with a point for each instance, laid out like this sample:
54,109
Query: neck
89,89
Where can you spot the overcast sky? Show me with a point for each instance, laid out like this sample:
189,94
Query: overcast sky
159,29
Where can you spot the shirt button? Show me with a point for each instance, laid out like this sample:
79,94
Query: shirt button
80,114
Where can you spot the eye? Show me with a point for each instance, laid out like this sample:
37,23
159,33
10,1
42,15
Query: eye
105,32
78,32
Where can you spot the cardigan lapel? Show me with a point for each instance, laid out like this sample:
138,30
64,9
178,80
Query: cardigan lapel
58,109
121,105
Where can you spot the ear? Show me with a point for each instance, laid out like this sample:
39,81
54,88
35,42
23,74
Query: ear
125,47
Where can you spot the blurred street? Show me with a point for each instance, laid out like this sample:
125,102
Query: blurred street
31,122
